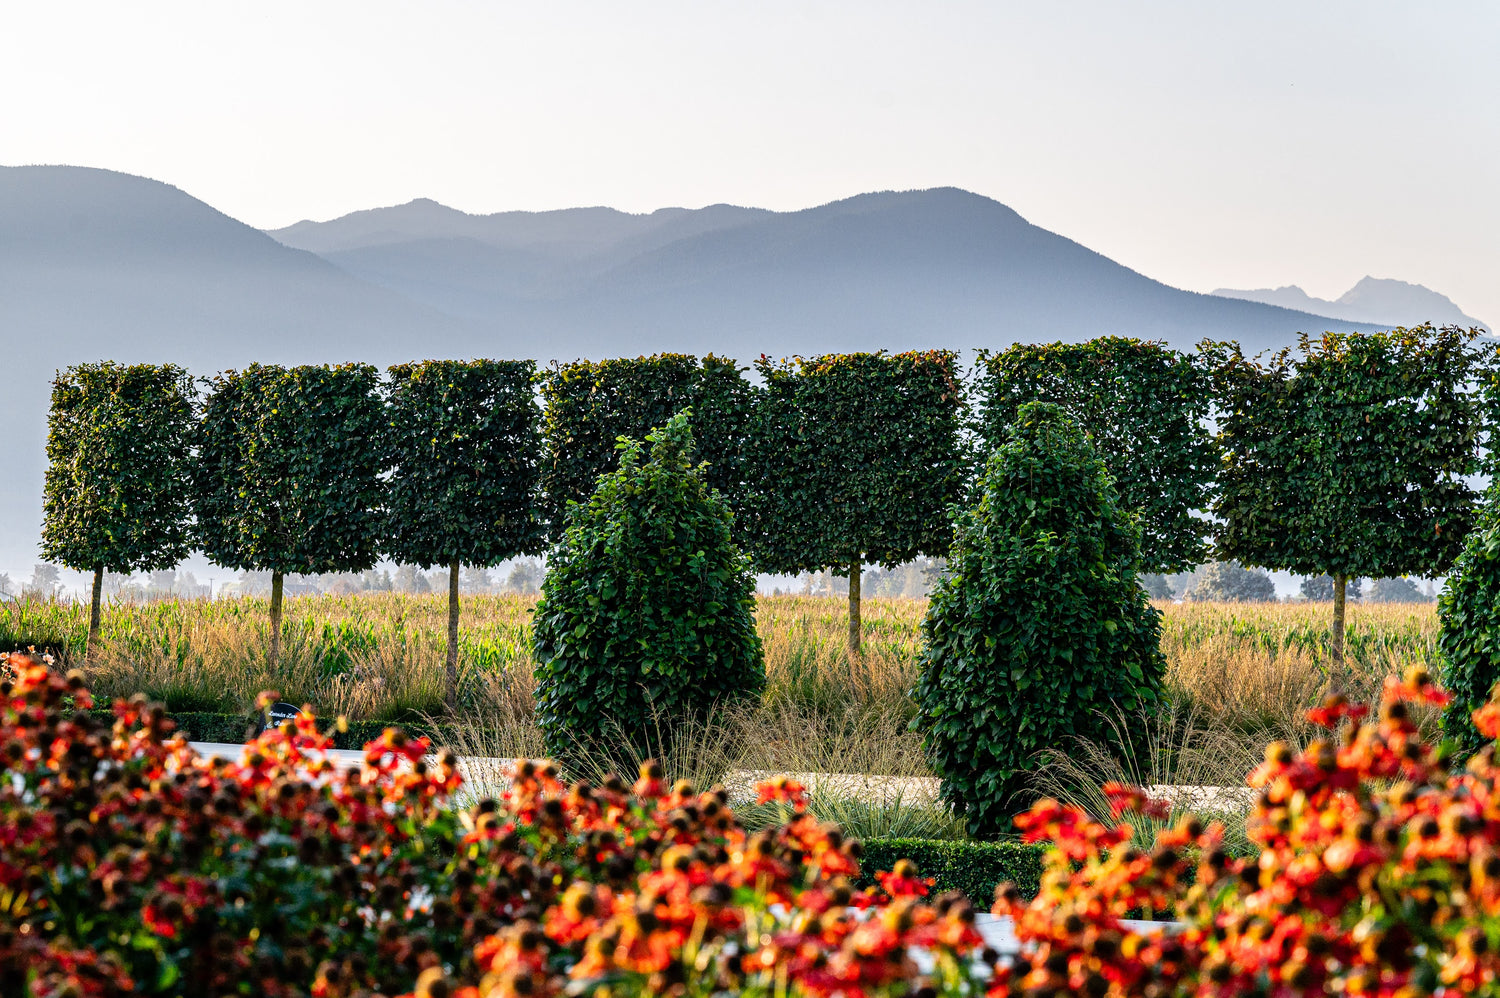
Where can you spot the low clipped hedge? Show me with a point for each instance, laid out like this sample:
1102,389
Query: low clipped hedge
972,867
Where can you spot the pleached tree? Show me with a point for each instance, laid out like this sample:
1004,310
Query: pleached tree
854,459
591,404
464,445
115,497
1351,455
1146,407
287,475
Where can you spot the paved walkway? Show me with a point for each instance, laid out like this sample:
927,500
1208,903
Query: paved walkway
486,774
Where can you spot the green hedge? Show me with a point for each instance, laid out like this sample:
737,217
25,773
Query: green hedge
972,867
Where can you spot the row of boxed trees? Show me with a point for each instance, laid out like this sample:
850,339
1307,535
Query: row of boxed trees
1347,457
647,618
839,461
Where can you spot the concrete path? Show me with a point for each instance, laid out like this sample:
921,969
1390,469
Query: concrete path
484,774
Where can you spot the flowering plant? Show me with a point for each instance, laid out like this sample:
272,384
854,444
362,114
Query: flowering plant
1378,874
129,864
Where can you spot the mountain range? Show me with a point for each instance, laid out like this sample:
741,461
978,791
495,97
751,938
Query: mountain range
1373,299
900,270
97,264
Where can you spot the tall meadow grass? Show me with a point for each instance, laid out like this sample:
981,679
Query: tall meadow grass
1238,676
1262,665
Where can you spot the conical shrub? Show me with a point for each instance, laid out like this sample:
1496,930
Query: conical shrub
1042,625
647,615
1469,628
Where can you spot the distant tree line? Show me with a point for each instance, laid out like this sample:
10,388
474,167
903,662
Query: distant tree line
1349,456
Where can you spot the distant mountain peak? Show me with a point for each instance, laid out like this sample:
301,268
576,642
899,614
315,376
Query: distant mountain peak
1380,300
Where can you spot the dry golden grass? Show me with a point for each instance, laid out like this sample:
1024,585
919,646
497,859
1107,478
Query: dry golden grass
807,659
380,655
1261,666
1242,673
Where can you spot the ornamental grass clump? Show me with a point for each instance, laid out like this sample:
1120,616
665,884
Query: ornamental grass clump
647,615
1043,624
130,865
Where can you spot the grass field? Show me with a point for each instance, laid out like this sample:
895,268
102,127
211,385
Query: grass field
1238,675
379,656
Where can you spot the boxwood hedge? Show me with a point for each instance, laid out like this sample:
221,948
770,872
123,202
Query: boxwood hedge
972,867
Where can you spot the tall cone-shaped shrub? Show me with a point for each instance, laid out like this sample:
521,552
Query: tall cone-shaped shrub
1469,628
647,615
1042,625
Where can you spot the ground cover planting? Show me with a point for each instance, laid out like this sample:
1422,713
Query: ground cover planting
129,865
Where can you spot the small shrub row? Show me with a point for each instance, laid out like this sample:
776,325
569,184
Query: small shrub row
974,868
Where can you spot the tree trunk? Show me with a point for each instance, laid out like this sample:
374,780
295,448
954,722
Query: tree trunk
854,628
451,692
93,642
1340,582
276,579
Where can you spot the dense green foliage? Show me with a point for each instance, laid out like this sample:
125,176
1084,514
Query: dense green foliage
465,446
1042,624
975,868
286,477
115,497
464,449
647,615
1469,635
857,458
1146,407
117,447
591,404
1351,458
1231,582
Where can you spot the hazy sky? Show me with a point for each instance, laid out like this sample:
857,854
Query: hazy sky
1201,143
